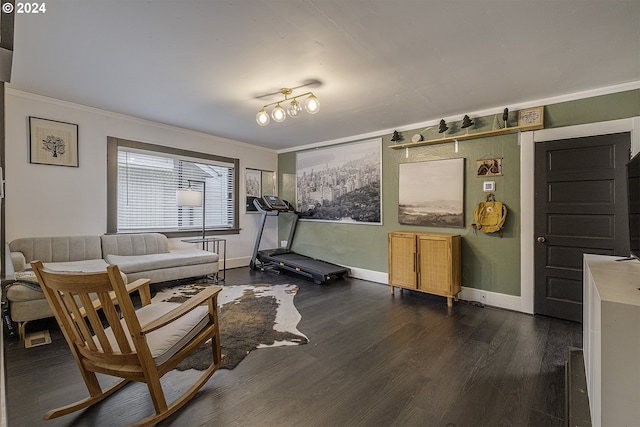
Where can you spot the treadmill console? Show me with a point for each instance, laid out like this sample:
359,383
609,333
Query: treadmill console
275,203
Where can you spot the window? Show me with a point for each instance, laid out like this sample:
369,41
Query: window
143,179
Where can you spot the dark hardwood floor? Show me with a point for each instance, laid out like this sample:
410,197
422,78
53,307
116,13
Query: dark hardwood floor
373,360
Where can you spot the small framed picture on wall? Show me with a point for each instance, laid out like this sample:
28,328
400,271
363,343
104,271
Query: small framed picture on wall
489,167
52,142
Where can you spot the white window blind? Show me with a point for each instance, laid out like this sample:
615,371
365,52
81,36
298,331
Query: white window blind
147,185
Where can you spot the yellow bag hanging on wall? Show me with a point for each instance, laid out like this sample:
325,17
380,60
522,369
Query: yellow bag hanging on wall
490,215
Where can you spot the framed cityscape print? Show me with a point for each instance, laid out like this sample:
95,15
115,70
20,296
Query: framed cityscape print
253,182
52,142
431,193
341,183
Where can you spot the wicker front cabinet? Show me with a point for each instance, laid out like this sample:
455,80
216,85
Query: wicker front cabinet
425,262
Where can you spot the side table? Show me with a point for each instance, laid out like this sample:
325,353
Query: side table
216,248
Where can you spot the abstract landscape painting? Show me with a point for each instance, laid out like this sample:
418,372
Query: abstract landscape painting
431,193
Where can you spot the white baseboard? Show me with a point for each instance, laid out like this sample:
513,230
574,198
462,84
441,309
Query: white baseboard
493,299
508,302
370,275
236,262
358,273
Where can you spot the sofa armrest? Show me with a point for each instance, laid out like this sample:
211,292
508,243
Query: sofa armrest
18,261
175,243
141,285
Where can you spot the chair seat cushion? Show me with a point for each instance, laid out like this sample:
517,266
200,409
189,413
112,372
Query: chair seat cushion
168,340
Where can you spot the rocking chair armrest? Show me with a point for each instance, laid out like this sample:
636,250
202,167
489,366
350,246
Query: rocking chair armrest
182,309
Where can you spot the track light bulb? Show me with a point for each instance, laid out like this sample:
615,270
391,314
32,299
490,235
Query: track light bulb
312,105
278,113
262,118
294,108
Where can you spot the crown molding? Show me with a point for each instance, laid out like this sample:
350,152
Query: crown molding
480,113
132,119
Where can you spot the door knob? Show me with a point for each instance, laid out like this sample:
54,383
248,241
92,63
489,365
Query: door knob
541,239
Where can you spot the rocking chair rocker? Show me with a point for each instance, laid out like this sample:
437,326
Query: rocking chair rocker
140,345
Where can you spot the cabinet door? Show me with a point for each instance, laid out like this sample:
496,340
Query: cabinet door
434,254
402,260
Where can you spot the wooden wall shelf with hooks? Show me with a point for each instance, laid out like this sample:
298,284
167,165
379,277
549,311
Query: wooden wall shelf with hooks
462,137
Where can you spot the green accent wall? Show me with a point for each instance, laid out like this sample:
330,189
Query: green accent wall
603,108
489,262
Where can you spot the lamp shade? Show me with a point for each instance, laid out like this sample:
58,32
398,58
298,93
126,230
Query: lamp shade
312,105
278,114
263,118
294,109
189,197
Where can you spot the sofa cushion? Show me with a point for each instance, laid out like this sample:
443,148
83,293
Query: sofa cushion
58,249
134,244
27,288
24,291
175,258
87,266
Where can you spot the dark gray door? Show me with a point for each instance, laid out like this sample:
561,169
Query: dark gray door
580,207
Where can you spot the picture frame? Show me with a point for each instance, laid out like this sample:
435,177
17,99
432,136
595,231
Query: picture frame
341,183
531,118
489,167
53,142
253,183
431,193
258,183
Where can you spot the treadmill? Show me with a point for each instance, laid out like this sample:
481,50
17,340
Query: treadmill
284,258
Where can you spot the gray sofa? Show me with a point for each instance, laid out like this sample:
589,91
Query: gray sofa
144,255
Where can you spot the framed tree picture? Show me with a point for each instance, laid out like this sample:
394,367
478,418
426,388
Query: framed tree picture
52,142
431,193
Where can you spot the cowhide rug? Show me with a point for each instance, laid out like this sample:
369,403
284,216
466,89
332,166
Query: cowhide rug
250,316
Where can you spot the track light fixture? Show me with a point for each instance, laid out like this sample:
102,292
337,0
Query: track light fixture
292,107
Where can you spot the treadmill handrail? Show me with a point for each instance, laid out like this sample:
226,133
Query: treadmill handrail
261,204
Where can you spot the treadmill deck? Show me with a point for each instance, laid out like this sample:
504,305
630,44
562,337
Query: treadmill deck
296,262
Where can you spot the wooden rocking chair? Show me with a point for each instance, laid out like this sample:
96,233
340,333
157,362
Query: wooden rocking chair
140,345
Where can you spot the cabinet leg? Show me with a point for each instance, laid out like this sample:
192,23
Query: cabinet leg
450,301
393,290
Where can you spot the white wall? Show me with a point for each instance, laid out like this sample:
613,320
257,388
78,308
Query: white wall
44,200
